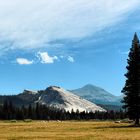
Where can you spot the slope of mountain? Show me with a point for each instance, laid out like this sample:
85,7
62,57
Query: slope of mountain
25,98
28,96
53,96
97,95
60,98
14,99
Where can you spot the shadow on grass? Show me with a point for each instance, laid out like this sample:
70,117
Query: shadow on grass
128,126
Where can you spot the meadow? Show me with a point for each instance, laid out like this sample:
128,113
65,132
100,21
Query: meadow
67,130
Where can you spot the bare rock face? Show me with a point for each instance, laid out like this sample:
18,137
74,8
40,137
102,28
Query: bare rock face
60,98
63,99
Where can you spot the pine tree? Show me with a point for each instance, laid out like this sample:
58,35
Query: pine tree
131,89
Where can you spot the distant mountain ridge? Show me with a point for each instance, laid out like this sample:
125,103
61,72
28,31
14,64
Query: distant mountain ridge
97,95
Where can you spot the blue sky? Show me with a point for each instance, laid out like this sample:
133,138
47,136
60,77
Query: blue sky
65,43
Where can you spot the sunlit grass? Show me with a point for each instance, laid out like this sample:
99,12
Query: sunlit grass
68,130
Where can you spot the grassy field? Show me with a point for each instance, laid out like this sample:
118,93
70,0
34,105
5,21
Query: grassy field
68,130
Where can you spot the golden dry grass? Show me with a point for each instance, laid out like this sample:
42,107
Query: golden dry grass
68,130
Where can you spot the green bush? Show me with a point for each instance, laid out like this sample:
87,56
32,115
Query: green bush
27,120
13,121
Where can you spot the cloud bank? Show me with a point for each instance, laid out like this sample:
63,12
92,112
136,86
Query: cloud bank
33,24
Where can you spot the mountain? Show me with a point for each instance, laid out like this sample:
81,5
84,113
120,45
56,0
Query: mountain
53,96
98,95
60,98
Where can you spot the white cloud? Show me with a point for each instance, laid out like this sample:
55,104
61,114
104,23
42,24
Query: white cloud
24,61
45,58
31,24
71,59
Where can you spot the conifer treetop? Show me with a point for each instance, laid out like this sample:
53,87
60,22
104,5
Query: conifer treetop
136,39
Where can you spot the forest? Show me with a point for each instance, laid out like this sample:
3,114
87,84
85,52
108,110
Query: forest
8,111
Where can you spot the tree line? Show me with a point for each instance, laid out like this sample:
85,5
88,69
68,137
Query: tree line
42,112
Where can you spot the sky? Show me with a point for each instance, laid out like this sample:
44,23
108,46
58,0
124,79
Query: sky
65,43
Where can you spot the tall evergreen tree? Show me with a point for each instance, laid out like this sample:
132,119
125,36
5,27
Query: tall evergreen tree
131,89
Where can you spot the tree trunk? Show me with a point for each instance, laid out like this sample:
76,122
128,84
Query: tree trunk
137,121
